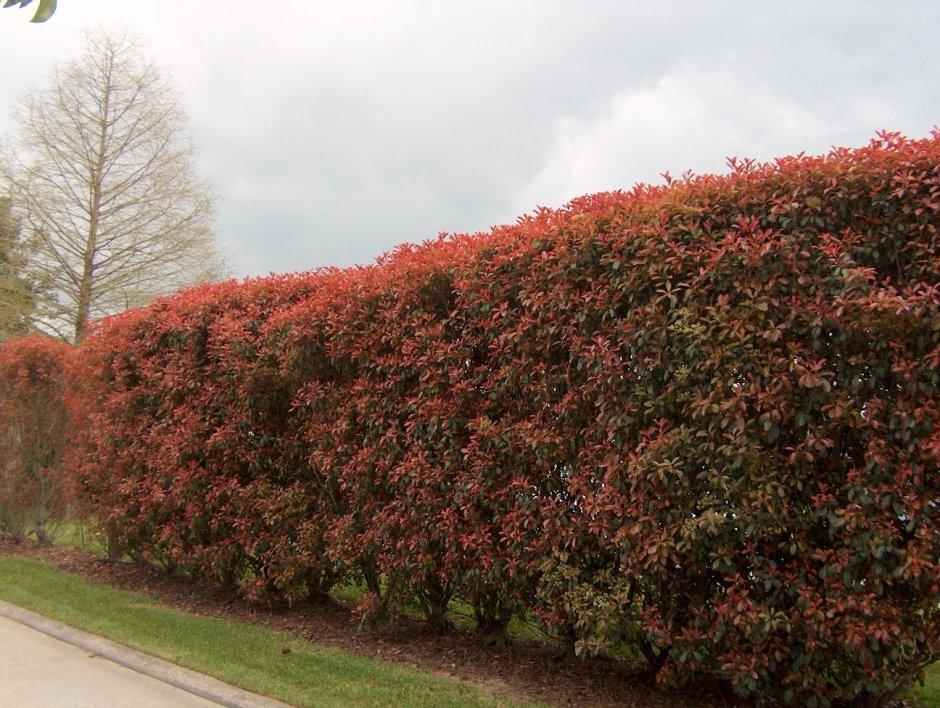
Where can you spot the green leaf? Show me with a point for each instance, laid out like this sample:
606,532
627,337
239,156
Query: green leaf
45,11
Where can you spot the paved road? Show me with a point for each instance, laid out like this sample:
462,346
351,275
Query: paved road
44,664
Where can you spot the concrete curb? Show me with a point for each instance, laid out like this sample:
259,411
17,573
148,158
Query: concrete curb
198,684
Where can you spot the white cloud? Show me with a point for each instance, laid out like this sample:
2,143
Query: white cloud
694,120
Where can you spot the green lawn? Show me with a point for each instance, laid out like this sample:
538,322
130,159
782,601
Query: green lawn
248,656
930,691
79,534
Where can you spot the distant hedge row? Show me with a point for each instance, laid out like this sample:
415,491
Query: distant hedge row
702,419
34,427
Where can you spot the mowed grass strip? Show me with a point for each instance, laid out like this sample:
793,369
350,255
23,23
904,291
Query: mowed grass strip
930,691
248,656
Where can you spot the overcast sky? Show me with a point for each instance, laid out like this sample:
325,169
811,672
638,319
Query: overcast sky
334,131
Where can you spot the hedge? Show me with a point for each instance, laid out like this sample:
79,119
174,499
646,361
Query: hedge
34,434
699,418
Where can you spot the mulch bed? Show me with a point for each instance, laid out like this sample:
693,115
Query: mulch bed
521,670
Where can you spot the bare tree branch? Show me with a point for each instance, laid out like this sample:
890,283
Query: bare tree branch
104,179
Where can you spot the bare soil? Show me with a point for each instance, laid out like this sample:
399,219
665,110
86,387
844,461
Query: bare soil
525,670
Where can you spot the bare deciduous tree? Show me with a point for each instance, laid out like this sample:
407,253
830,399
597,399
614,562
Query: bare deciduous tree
103,172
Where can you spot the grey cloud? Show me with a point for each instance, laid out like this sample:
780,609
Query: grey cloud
335,131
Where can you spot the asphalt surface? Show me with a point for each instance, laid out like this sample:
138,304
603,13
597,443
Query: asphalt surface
46,664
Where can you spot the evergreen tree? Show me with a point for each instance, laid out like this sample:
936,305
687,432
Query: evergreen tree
17,293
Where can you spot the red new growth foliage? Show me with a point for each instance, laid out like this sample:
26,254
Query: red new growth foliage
701,418
182,447
34,429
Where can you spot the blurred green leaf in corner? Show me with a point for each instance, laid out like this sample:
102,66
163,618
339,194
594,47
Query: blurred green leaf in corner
43,13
